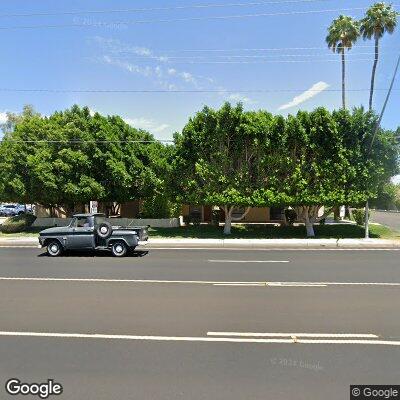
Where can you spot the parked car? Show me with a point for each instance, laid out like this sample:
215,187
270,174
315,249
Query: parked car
9,210
92,232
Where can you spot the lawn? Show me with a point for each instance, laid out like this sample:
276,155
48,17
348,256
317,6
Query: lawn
257,232
275,232
28,233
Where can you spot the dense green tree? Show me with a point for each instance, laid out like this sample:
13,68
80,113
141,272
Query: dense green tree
379,19
73,157
388,197
218,159
233,158
342,34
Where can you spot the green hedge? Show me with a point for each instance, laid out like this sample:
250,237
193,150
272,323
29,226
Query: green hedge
16,224
359,216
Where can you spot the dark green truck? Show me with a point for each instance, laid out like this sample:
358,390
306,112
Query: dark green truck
92,232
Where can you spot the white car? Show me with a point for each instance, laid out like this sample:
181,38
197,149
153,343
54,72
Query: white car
10,210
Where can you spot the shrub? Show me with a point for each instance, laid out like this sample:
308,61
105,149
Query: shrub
359,216
159,206
291,216
193,218
19,223
196,219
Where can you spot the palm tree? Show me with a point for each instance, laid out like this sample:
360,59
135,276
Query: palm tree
379,19
342,34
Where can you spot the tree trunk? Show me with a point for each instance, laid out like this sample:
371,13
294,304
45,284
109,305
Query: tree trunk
336,213
371,93
228,220
343,79
309,227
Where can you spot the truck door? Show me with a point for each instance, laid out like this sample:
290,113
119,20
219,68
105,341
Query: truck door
82,234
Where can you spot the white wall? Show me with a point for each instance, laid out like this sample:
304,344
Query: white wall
155,223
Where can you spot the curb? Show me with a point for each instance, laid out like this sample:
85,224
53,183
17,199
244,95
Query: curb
240,243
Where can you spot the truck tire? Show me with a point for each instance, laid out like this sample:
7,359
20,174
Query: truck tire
119,249
104,230
54,248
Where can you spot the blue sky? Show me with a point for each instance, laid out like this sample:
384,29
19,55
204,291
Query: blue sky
165,56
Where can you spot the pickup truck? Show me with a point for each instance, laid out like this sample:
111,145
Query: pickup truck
92,232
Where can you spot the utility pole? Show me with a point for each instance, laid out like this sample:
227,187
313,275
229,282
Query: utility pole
378,124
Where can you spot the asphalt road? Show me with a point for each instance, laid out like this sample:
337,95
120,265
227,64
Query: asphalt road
179,324
390,219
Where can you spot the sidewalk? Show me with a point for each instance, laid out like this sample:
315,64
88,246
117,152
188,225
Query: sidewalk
239,243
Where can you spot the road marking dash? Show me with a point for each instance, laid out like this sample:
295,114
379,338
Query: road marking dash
250,261
297,335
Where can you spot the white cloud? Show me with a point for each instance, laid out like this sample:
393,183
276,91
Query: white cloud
3,117
234,97
116,56
158,71
187,77
396,179
146,124
141,51
314,90
133,68
117,47
160,128
240,98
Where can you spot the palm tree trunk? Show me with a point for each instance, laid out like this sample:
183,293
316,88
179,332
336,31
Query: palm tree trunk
343,79
371,93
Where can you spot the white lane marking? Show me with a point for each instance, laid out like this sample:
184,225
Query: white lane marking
141,337
248,261
273,284
298,335
274,248
295,284
293,340
241,284
329,341
193,282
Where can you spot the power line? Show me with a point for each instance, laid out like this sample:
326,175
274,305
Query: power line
270,61
221,91
189,19
133,10
254,49
167,58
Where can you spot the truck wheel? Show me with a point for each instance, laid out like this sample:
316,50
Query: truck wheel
119,249
54,248
104,230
